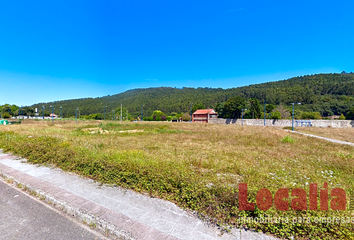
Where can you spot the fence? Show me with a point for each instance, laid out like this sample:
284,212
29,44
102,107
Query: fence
284,122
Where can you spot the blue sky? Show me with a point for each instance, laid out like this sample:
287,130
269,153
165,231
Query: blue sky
54,50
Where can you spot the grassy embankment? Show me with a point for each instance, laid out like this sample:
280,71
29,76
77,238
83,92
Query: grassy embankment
343,134
197,166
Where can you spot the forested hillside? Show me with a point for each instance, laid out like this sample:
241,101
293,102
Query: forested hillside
325,93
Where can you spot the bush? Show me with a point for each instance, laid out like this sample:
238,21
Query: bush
156,115
311,115
163,118
342,117
95,116
275,115
284,113
287,139
186,117
350,114
6,115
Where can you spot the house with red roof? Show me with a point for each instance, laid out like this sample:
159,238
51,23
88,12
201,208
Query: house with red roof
203,115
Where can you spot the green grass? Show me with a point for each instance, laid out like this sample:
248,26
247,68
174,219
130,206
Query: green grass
287,139
196,166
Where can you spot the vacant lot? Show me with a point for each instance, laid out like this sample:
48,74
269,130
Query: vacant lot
197,166
343,134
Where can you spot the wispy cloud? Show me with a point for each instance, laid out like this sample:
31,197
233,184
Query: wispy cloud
234,10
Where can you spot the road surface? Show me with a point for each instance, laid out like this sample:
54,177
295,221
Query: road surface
24,217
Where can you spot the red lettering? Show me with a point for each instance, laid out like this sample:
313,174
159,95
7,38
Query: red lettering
264,199
281,204
324,198
338,203
242,198
313,196
300,202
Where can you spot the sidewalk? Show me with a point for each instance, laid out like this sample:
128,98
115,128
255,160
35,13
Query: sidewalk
323,138
118,212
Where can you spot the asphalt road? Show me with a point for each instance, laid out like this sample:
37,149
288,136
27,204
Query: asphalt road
23,217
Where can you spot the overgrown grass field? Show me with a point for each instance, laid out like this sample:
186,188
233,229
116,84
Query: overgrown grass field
196,166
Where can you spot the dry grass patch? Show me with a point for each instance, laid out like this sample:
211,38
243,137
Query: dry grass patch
197,166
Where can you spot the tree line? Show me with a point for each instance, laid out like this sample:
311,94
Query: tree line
320,94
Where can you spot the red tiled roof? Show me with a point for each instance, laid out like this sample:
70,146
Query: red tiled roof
205,111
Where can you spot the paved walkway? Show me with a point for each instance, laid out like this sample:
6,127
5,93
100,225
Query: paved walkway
324,138
116,211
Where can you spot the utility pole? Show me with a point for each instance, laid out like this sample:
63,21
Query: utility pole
208,115
105,112
76,114
242,115
121,112
142,112
293,114
264,112
191,112
52,113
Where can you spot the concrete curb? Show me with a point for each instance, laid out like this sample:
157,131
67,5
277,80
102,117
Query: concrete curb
102,219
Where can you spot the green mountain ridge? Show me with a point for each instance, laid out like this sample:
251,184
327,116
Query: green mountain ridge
325,93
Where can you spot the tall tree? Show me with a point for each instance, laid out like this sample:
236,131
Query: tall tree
233,107
350,114
255,108
197,106
220,109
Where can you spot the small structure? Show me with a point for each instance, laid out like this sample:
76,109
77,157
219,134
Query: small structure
334,117
4,122
203,115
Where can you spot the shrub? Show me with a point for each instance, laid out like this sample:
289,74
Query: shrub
311,115
95,116
186,117
287,139
342,117
284,113
275,115
350,114
6,115
157,114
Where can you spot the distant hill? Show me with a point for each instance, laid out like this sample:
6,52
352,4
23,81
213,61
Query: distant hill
326,93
